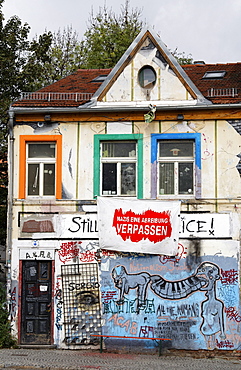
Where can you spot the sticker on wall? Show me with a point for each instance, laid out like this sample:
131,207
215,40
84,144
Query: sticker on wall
141,226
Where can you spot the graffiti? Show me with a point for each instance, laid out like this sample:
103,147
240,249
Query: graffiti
84,285
204,279
108,295
183,310
124,282
175,289
106,253
224,344
233,314
211,308
176,330
181,253
59,309
129,306
90,246
155,226
130,326
228,295
69,251
13,302
229,276
206,153
147,332
86,298
87,256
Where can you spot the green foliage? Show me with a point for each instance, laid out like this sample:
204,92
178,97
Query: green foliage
64,55
182,58
6,339
109,35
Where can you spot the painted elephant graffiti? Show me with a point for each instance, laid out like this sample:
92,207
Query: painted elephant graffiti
204,279
124,282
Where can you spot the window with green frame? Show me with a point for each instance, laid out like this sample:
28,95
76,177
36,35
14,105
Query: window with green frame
118,165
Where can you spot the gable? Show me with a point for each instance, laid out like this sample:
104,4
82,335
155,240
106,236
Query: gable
147,54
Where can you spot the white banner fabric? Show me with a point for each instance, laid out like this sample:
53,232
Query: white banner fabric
142,226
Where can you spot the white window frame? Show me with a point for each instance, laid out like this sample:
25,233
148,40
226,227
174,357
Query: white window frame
176,161
155,139
118,161
41,162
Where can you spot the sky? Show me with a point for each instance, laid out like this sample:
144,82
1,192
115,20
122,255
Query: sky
209,30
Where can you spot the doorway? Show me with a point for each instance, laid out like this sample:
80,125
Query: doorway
36,302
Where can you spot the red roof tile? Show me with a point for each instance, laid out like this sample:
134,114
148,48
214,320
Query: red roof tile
225,90
77,88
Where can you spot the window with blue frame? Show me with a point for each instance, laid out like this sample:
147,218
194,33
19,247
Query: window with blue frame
176,165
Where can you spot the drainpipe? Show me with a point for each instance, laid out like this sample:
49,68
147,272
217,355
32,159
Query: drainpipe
10,205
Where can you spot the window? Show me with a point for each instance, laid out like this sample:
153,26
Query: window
147,77
176,164
214,74
118,165
40,166
175,167
41,169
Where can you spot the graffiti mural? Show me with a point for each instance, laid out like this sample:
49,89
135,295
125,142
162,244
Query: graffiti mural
195,308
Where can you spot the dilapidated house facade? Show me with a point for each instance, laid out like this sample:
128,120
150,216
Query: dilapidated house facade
98,162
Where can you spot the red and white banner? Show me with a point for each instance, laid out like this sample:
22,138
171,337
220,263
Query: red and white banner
142,226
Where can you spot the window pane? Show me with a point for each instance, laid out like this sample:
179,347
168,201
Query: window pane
49,179
128,178
121,149
109,181
166,178
147,77
185,177
46,150
33,179
174,148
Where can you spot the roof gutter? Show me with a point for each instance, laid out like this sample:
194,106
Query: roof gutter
84,109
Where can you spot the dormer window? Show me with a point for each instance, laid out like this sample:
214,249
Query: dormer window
214,74
147,77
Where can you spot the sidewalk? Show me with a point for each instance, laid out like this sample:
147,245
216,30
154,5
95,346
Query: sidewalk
91,360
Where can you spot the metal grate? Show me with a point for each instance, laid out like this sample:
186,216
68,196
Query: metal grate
81,298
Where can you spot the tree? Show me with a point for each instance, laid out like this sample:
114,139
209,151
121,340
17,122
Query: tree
182,58
54,56
6,339
17,74
109,35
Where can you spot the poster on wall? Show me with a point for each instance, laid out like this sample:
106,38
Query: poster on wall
142,226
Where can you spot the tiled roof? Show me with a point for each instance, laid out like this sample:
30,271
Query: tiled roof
77,88
225,90
70,91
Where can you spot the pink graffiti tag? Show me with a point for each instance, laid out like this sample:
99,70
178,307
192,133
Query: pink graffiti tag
68,251
229,276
